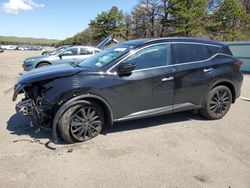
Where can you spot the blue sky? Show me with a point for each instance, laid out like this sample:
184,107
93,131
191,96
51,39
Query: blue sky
56,19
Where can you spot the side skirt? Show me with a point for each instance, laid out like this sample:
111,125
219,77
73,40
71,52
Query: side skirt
159,111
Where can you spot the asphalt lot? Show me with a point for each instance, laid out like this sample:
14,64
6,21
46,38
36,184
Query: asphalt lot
176,150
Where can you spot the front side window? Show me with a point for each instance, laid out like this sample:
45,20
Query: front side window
150,57
70,51
184,53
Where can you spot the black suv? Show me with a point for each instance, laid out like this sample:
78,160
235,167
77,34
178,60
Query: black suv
135,79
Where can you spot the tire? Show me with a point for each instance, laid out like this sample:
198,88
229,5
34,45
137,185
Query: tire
217,103
81,122
43,64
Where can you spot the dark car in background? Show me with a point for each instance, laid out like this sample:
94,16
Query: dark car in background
135,79
1,50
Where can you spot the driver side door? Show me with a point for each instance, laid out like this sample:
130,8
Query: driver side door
69,55
149,89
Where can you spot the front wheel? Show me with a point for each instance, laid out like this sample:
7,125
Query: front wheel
81,122
43,64
217,103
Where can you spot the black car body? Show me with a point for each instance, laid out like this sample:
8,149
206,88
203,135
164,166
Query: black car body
1,50
134,79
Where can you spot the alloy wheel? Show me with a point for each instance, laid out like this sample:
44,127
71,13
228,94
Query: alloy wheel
220,102
85,123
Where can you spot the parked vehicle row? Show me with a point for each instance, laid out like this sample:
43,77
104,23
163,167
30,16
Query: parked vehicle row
134,79
21,47
8,47
33,48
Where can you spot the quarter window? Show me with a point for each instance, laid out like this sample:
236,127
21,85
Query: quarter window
190,52
150,57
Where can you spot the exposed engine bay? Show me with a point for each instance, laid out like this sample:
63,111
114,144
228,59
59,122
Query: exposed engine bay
34,104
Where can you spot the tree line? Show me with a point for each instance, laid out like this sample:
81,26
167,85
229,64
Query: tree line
223,20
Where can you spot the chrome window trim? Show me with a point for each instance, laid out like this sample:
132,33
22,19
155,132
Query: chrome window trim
158,111
198,43
187,63
133,52
109,71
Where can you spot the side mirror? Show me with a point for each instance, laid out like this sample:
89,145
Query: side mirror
60,56
125,69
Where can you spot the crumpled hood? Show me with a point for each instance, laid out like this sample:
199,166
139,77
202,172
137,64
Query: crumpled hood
49,72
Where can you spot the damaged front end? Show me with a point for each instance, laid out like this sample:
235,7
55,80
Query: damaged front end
34,104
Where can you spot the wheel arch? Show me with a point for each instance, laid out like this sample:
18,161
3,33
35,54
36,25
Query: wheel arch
228,84
90,97
42,62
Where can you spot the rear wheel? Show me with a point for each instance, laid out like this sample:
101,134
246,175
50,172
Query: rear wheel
217,103
81,122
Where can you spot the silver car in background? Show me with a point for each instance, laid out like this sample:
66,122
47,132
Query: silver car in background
71,54
74,54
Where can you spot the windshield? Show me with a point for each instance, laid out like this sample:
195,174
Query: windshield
106,56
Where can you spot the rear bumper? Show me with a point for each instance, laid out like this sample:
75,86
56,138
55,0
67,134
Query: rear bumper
238,80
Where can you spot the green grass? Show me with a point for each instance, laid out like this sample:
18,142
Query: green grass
26,40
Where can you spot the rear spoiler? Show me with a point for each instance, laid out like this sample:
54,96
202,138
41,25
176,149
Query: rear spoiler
106,41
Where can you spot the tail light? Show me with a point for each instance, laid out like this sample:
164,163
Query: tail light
238,63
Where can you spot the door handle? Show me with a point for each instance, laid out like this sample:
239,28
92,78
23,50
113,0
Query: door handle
208,70
168,78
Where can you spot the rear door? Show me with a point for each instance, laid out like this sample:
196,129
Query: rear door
84,53
192,73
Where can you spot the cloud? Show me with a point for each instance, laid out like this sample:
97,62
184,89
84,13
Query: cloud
15,6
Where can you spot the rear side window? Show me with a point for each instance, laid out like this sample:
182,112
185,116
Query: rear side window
214,50
85,51
184,53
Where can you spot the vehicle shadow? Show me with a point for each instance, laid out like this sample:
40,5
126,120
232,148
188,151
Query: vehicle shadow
19,124
151,122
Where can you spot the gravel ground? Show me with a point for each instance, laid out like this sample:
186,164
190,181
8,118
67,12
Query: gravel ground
176,150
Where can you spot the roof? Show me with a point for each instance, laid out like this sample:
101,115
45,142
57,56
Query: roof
139,42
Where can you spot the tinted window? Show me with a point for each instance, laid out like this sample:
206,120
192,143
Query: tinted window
85,51
70,51
150,57
190,52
